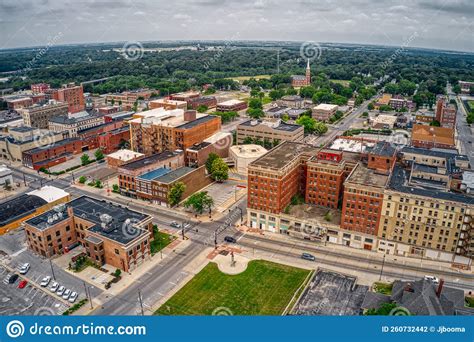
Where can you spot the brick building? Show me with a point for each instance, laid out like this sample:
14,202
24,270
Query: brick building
127,99
208,101
219,143
128,173
110,234
38,115
71,94
168,104
273,131
154,186
231,106
324,111
430,137
159,130
445,112
40,88
300,80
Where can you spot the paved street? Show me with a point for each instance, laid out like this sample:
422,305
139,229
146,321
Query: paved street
464,133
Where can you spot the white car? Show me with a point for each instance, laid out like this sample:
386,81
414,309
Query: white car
24,268
73,297
45,281
434,279
66,294
60,290
54,286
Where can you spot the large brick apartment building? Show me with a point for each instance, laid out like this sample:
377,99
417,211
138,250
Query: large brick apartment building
159,130
71,94
402,203
110,234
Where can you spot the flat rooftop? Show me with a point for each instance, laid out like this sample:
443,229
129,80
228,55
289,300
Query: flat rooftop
326,106
315,212
155,174
230,103
111,220
125,155
155,158
174,175
197,122
18,207
282,126
364,176
283,154
399,181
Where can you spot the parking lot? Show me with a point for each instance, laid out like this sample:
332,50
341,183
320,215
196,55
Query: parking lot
29,300
331,294
225,194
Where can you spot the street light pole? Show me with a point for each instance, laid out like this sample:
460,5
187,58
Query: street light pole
141,303
381,270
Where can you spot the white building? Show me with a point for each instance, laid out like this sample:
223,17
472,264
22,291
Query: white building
6,177
243,155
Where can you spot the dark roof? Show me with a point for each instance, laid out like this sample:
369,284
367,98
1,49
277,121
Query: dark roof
373,300
196,122
9,115
22,129
138,164
382,148
399,182
420,298
119,228
18,207
50,146
174,175
66,120
200,146
427,152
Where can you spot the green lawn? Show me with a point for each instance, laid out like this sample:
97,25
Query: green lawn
161,241
383,288
264,288
470,302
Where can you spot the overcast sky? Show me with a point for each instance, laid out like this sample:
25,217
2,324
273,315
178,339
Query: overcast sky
441,24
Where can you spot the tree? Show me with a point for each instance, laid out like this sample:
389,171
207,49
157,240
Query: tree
85,159
255,113
308,123
307,92
202,108
370,106
435,123
219,170
115,188
98,154
82,179
276,94
176,192
199,201
285,117
255,103
210,159
320,128
247,140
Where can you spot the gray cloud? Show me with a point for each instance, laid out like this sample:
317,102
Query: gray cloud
438,23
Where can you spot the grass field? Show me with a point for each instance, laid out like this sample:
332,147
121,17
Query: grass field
160,241
345,83
264,288
245,78
471,104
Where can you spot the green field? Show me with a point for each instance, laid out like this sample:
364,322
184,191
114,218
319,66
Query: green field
345,83
264,288
471,104
246,78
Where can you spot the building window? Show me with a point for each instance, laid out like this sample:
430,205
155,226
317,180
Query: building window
117,251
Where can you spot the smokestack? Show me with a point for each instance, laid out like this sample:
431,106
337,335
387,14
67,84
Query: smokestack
440,288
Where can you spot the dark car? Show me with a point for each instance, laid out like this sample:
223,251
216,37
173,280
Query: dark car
230,239
307,256
10,278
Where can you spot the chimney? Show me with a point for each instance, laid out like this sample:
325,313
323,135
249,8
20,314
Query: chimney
189,115
440,288
70,211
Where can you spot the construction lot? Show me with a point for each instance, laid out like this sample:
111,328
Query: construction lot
30,300
331,294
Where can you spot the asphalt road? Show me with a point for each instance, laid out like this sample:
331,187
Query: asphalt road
464,133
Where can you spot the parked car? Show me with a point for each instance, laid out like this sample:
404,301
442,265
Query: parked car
22,284
60,290
54,287
230,239
432,279
45,281
72,297
307,256
66,294
175,224
10,278
24,268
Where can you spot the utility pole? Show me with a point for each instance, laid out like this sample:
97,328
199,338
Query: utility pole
24,178
141,303
215,239
381,270
88,294
52,270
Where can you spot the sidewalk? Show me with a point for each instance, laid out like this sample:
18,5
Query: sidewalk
369,255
